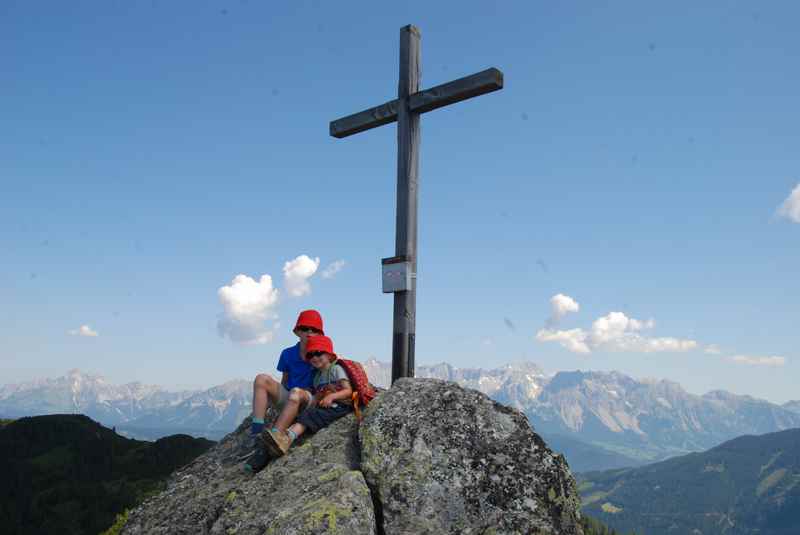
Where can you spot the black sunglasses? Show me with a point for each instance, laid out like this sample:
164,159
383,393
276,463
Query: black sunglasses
312,354
308,329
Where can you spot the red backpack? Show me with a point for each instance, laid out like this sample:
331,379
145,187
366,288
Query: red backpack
363,391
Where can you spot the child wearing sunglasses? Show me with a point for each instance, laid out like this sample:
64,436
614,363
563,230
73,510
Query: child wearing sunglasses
296,382
332,400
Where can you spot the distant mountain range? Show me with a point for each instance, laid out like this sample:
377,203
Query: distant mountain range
746,486
136,410
793,406
597,419
212,413
87,394
631,421
649,420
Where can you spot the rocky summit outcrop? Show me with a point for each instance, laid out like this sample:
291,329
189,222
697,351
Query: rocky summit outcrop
444,459
429,457
317,488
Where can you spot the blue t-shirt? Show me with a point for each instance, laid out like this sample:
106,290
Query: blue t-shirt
301,373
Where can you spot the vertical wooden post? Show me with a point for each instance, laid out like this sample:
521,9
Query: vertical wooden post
408,136
401,280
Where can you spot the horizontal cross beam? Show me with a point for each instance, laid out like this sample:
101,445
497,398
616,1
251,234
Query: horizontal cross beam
420,102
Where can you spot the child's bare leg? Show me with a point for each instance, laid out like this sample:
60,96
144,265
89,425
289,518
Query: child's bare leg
297,397
264,389
296,431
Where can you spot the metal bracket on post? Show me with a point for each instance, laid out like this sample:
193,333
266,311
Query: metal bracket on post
396,274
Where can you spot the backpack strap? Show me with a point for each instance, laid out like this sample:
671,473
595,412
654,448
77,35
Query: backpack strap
355,397
362,390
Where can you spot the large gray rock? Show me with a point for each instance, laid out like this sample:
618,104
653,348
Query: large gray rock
315,489
444,459
437,458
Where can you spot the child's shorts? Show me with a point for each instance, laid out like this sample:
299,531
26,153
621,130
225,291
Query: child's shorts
316,418
283,397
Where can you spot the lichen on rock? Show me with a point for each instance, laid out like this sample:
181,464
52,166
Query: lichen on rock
444,459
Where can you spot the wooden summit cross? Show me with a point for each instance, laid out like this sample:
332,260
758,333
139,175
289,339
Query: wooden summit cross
400,271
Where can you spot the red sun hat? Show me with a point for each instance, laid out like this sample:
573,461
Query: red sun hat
320,343
310,318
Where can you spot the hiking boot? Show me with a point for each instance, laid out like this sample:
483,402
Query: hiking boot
258,461
276,442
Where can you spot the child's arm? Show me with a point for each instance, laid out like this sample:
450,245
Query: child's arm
345,393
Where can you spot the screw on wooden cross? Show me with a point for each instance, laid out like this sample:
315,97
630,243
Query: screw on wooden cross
400,271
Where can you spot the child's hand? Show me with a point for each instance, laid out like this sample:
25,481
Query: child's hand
327,401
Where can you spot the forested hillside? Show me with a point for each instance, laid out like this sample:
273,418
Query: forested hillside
749,485
67,474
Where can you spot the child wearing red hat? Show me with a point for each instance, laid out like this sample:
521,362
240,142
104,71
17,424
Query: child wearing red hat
296,382
332,400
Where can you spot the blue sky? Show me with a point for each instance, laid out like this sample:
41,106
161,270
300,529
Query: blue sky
636,162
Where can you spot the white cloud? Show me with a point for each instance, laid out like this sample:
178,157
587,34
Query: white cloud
560,306
667,344
296,274
615,332
713,349
618,332
573,340
248,305
790,209
84,330
758,361
332,269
